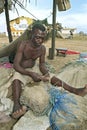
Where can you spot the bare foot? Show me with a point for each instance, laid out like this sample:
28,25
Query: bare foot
82,91
78,91
18,113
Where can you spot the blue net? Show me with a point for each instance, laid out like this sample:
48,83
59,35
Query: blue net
61,112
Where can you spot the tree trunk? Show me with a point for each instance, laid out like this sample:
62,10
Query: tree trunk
7,21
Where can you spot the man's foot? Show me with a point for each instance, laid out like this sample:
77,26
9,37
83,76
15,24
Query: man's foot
18,113
82,91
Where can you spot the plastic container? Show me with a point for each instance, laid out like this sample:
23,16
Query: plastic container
83,56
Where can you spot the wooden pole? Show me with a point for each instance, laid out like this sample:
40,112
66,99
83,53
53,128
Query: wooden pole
52,49
7,20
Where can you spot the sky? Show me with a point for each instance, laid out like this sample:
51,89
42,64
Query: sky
75,17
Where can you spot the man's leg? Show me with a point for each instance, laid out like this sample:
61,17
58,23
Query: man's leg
18,110
78,91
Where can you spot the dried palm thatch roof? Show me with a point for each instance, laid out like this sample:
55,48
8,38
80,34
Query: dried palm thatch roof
2,2
10,3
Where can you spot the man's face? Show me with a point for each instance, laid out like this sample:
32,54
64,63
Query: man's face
38,37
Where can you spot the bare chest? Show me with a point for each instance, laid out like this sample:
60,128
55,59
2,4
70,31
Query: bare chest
30,53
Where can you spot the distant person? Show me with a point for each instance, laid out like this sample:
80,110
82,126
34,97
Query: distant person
71,34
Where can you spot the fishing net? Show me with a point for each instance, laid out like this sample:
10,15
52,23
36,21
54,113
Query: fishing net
61,112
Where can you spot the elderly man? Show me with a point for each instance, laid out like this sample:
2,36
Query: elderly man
27,54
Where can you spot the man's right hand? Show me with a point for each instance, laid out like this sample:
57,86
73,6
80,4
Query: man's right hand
36,77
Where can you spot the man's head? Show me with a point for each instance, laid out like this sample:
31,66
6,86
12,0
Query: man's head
38,34
38,26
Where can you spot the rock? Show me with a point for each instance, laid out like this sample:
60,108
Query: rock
31,122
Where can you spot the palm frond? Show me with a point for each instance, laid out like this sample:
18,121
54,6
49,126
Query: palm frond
21,4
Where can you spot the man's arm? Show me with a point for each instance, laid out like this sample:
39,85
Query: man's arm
17,64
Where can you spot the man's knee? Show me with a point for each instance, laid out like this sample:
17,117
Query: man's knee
16,82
